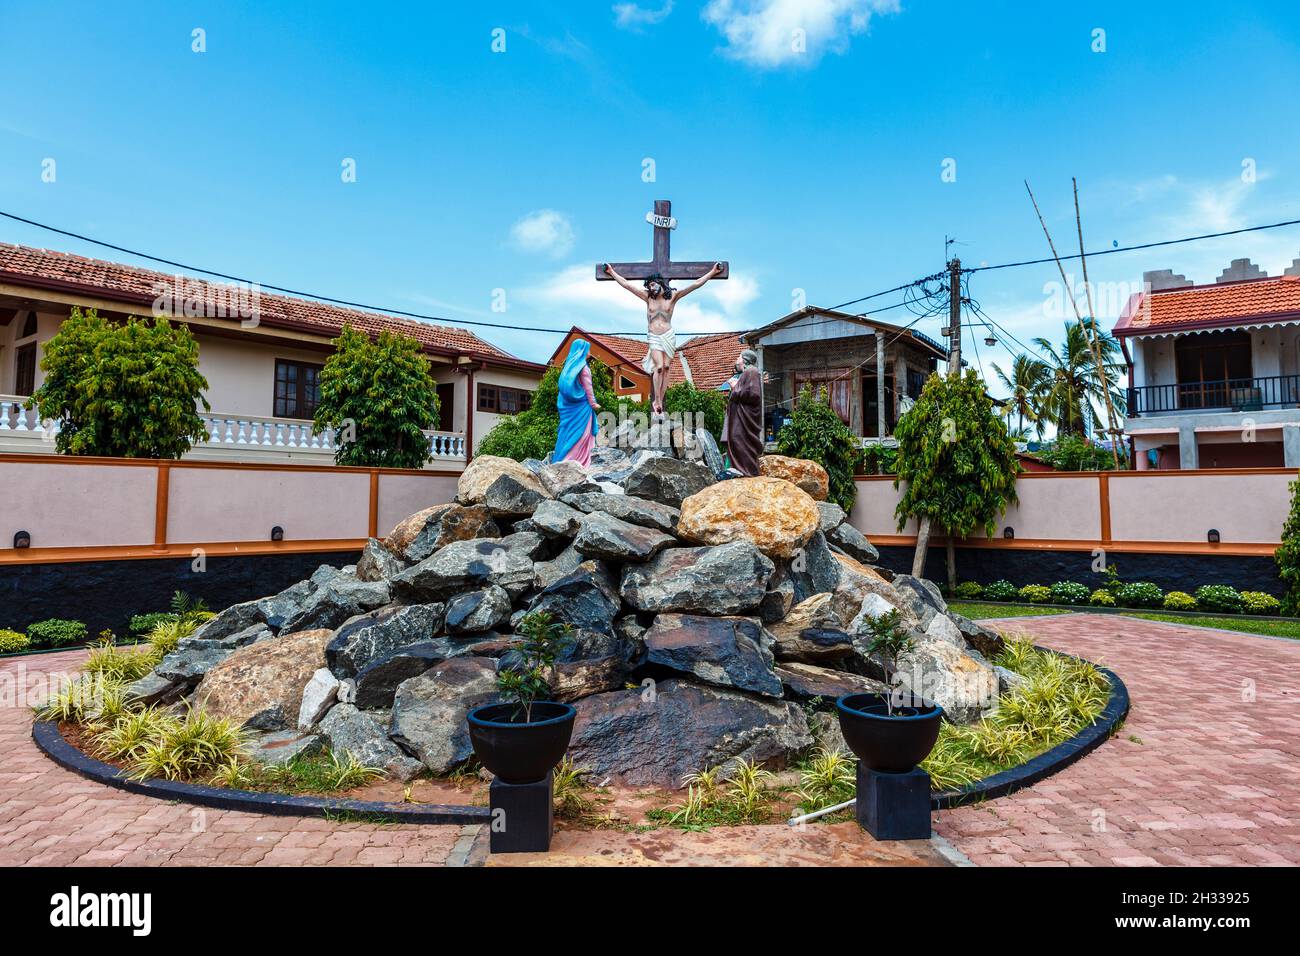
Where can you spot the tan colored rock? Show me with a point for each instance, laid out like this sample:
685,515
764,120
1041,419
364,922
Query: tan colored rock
774,515
260,685
801,472
472,486
417,537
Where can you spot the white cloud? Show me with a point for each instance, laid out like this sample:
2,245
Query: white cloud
775,33
545,231
629,16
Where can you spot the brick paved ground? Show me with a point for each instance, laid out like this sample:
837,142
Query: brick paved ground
1199,774
1205,771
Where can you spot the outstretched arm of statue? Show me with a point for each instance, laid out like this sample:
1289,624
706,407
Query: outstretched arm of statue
639,293
688,289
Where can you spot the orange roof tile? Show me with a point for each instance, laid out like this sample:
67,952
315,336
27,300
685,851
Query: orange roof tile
1223,305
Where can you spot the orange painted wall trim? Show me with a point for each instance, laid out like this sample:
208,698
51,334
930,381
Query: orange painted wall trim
1240,549
187,551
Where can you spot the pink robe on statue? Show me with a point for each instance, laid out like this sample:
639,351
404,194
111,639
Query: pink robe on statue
581,452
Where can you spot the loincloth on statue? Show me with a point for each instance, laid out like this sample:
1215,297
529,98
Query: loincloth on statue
664,342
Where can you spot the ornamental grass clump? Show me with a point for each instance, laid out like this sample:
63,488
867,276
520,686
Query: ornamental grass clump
711,801
194,747
828,778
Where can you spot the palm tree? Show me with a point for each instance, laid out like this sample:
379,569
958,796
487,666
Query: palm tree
1074,386
1028,384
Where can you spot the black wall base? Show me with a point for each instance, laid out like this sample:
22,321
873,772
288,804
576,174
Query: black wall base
105,594
523,816
1171,572
894,806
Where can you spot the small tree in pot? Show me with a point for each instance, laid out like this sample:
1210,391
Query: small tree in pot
523,686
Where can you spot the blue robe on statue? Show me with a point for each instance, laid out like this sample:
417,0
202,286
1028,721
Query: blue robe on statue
577,417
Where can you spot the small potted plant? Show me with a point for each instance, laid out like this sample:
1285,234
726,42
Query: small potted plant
523,737
891,732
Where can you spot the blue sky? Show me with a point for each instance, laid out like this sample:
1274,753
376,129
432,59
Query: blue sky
818,170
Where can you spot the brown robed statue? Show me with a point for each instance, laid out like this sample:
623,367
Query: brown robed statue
744,430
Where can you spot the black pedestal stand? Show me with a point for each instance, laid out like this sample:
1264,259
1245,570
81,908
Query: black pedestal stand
523,816
894,806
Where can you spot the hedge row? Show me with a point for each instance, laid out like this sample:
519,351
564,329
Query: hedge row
1216,598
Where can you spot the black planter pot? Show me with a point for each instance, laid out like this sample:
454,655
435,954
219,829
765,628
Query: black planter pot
518,752
889,744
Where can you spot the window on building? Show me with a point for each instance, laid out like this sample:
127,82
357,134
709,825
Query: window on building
297,389
25,369
503,400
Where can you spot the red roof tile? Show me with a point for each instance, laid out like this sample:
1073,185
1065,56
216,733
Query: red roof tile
42,268
710,357
1223,305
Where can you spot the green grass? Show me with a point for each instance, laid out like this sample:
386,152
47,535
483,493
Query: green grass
1227,623
977,611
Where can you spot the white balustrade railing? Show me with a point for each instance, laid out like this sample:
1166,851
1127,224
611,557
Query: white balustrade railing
250,437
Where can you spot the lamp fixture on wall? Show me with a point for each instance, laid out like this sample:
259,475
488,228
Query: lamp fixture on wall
277,533
1008,533
22,539
1212,536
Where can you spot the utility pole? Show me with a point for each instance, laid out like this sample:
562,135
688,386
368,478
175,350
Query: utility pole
954,316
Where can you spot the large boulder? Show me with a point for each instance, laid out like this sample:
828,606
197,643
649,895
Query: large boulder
729,579
320,694
366,637
724,651
590,662
339,597
585,598
424,532
565,477
378,681
829,515
813,644
232,620
853,543
825,612
363,736
502,485
277,609
556,520
806,475
920,597
808,682
770,513
964,685
475,611
377,563
814,570
988,642
546,573
655,736
466,566
429,710
260,685
640,511
281,747
669,481
601,535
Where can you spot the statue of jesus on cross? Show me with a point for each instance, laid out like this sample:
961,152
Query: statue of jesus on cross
659,296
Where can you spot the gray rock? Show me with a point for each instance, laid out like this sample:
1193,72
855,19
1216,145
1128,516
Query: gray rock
587,598
965,686
591,662
187,666
657,735
529,543
153,689
509,497
921,597
336,600
361,736
813,645
778,598
814,570
723,651
377,563
279,608
669,481
1009,680
465,566
988,642
601,535
478,611
708,450
825,727
650,514
546,573
377,682
236,618
347,691
564,477
255,632
320,694
366,637
808,682
429,710
727,579
556,520
853,543
279,748
829,515
421,534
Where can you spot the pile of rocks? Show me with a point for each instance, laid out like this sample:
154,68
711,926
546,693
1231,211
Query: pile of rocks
711,620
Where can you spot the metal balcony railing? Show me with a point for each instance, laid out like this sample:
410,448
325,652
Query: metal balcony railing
1234,395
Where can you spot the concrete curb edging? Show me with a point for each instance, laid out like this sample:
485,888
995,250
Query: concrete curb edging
1049,762
46,735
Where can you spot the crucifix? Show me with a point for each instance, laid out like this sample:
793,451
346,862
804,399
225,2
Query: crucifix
659,296
661,263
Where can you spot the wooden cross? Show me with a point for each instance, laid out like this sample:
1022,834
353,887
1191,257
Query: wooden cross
662,263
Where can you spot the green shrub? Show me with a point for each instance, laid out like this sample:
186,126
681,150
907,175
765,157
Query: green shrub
531,433
817,433
1000,590
1219,597
142,624
1035,593
970,590
1179,601
11,642
1287,555
1139,594
1101,598
1257,602
56,632
1069,592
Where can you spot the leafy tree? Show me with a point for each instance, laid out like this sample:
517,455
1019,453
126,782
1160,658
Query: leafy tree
817,433
1073,380
531,433
1075,453
1028,384
128,390
379,396
958,463
1287,555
